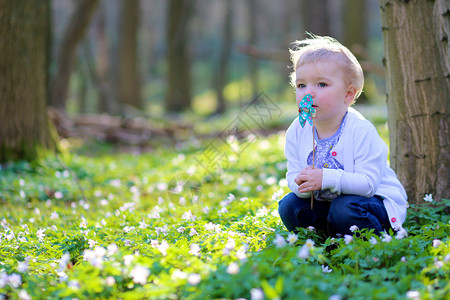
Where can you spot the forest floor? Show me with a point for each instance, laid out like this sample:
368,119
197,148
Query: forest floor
196,218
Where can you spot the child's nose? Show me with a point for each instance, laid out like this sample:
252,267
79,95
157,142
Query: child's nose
311,92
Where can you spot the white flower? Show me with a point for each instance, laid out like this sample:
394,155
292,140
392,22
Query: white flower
436,243
194,279
54,216
311,228
262,212
64,261
58,195
181,229
115,182
354,228
309,243
326,269
127,229
40,234
193,232
112,249
223,210
177,274
194,250
401,234
348,239
279,241
256,294
373,240
83,224
271,180
15,280
91,243
163,248
127,259
231,243
140,274
428,198
162,230
233,268
240,254
210,226
142,224
23,295
304,251
4,278
99,252
412,295
11,235
22,266
187,216
292,238
154,243
73,284
110,281
386,238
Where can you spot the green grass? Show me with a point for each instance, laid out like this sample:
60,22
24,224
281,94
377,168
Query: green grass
180,223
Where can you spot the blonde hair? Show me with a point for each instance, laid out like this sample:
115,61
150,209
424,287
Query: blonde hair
319,48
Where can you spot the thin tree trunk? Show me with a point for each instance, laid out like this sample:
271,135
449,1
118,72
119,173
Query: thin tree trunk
104,103
78,25
252,39
129,86
418,92
178,74
354,16
24,125
225,53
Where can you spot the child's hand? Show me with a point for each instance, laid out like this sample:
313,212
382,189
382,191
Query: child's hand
297,179
309,179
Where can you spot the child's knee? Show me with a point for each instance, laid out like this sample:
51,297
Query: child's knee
286,205
343,209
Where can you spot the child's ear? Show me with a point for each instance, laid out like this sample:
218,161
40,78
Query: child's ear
350,94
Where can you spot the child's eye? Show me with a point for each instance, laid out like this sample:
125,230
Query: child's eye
300,85
322,84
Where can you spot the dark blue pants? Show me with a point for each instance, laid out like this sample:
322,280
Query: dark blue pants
336,216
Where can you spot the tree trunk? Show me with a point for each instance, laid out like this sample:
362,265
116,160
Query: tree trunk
25,129
75,30
354,16
225,53
129,87
252,40
178,74
101,66
418,84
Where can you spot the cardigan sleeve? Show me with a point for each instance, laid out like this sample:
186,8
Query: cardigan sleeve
294,164
369,161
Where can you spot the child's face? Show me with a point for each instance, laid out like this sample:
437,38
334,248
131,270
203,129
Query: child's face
324,80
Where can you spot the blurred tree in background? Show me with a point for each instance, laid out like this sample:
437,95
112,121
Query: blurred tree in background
169,56
67,51
178,92
24,126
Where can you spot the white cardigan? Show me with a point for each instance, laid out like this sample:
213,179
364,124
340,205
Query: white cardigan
364,156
